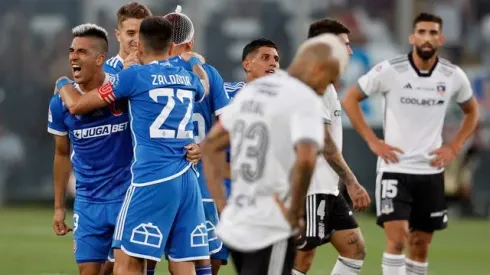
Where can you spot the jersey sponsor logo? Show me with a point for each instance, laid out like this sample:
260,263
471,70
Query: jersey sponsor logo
99,131
337,113
147,234
425,102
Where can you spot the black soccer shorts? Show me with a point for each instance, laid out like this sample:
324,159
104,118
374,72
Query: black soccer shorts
325,214
276,259
418,199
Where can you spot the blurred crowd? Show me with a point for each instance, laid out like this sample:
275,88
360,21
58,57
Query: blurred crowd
37,36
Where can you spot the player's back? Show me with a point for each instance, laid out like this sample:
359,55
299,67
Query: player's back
161,104
260,121
101,149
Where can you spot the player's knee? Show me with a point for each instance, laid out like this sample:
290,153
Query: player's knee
304,260
396,235
419,245
352,246
89,268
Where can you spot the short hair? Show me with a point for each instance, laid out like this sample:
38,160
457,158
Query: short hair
427,17
256,44
132,10
92,30
327,25
183,29
156,33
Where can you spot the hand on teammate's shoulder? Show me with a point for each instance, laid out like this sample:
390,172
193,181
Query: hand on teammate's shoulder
188,55
60,82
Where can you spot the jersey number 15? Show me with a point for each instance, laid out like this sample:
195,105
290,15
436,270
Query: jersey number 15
170,93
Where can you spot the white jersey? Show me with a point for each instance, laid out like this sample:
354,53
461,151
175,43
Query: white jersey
265,121
325,180
415,105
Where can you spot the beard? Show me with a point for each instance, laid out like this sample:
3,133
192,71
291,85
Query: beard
425,54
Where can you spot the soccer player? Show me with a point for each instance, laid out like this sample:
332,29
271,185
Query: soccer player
129,19
417,89
270,149
329,218
162,211
260,57
102,173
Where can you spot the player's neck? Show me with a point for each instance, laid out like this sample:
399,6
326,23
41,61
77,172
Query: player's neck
94,83
122,54
155,57
423,65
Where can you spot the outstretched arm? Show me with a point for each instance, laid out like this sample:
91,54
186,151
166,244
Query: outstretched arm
79,104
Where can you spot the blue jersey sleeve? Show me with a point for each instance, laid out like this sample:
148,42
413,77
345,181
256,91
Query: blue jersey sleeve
220,97
109,69
124,83
56,124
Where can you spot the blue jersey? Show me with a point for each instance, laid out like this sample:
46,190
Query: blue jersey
205,111
161,99
101,150
114,65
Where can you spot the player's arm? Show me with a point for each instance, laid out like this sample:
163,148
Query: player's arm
307,136
368,84
469,106
79,104
196,61
61,175
335,159
213,160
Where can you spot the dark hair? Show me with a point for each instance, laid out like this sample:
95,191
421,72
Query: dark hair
427,17
132,10
92,30
327,25
256,44
156,33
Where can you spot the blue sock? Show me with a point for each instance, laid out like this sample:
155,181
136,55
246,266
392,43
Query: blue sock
204,270
150,272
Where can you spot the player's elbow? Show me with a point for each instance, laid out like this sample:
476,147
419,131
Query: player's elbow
353,97
306,154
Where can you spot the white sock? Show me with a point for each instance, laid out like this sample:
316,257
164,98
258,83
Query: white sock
346,266
296,272
393,264
416,268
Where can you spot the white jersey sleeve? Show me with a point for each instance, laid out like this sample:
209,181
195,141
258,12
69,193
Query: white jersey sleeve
372,82
227,115
464,92
307,123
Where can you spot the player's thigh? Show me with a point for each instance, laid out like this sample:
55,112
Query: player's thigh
188,239
91,233
89,268
211,217
126,264
394,198
429,212
316,216
349,243
146,216
277,259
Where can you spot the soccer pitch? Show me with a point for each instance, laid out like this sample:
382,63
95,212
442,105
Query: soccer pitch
29,246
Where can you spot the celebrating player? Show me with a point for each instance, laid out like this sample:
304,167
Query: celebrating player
329,218
102,173
162,211
417,88
204,113
270,147
129,19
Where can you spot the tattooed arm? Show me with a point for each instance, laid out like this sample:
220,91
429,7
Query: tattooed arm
358,194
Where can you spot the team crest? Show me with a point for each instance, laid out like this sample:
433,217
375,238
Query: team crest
441,88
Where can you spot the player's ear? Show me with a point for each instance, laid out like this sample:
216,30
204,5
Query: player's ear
411,39
246,65
442,39
171,49
100,60
118,35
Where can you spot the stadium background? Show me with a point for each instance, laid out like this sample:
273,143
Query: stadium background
33,53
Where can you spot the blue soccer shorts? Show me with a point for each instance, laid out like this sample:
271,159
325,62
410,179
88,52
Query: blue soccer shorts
164,218
93,229
216,248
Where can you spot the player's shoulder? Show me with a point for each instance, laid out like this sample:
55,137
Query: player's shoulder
56,103
231,87
448,69
114,62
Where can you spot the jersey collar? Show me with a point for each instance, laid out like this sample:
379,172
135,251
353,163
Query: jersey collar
419,73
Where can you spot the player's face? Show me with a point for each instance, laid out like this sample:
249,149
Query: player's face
426,39
127,34
345,38
263,62
85,59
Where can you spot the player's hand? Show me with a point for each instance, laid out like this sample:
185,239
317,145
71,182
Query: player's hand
59,225
443,156
60,82
385,151
193,153
297,222
131,59
359,196
188,55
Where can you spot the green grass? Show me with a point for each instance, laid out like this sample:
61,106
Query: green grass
29,246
